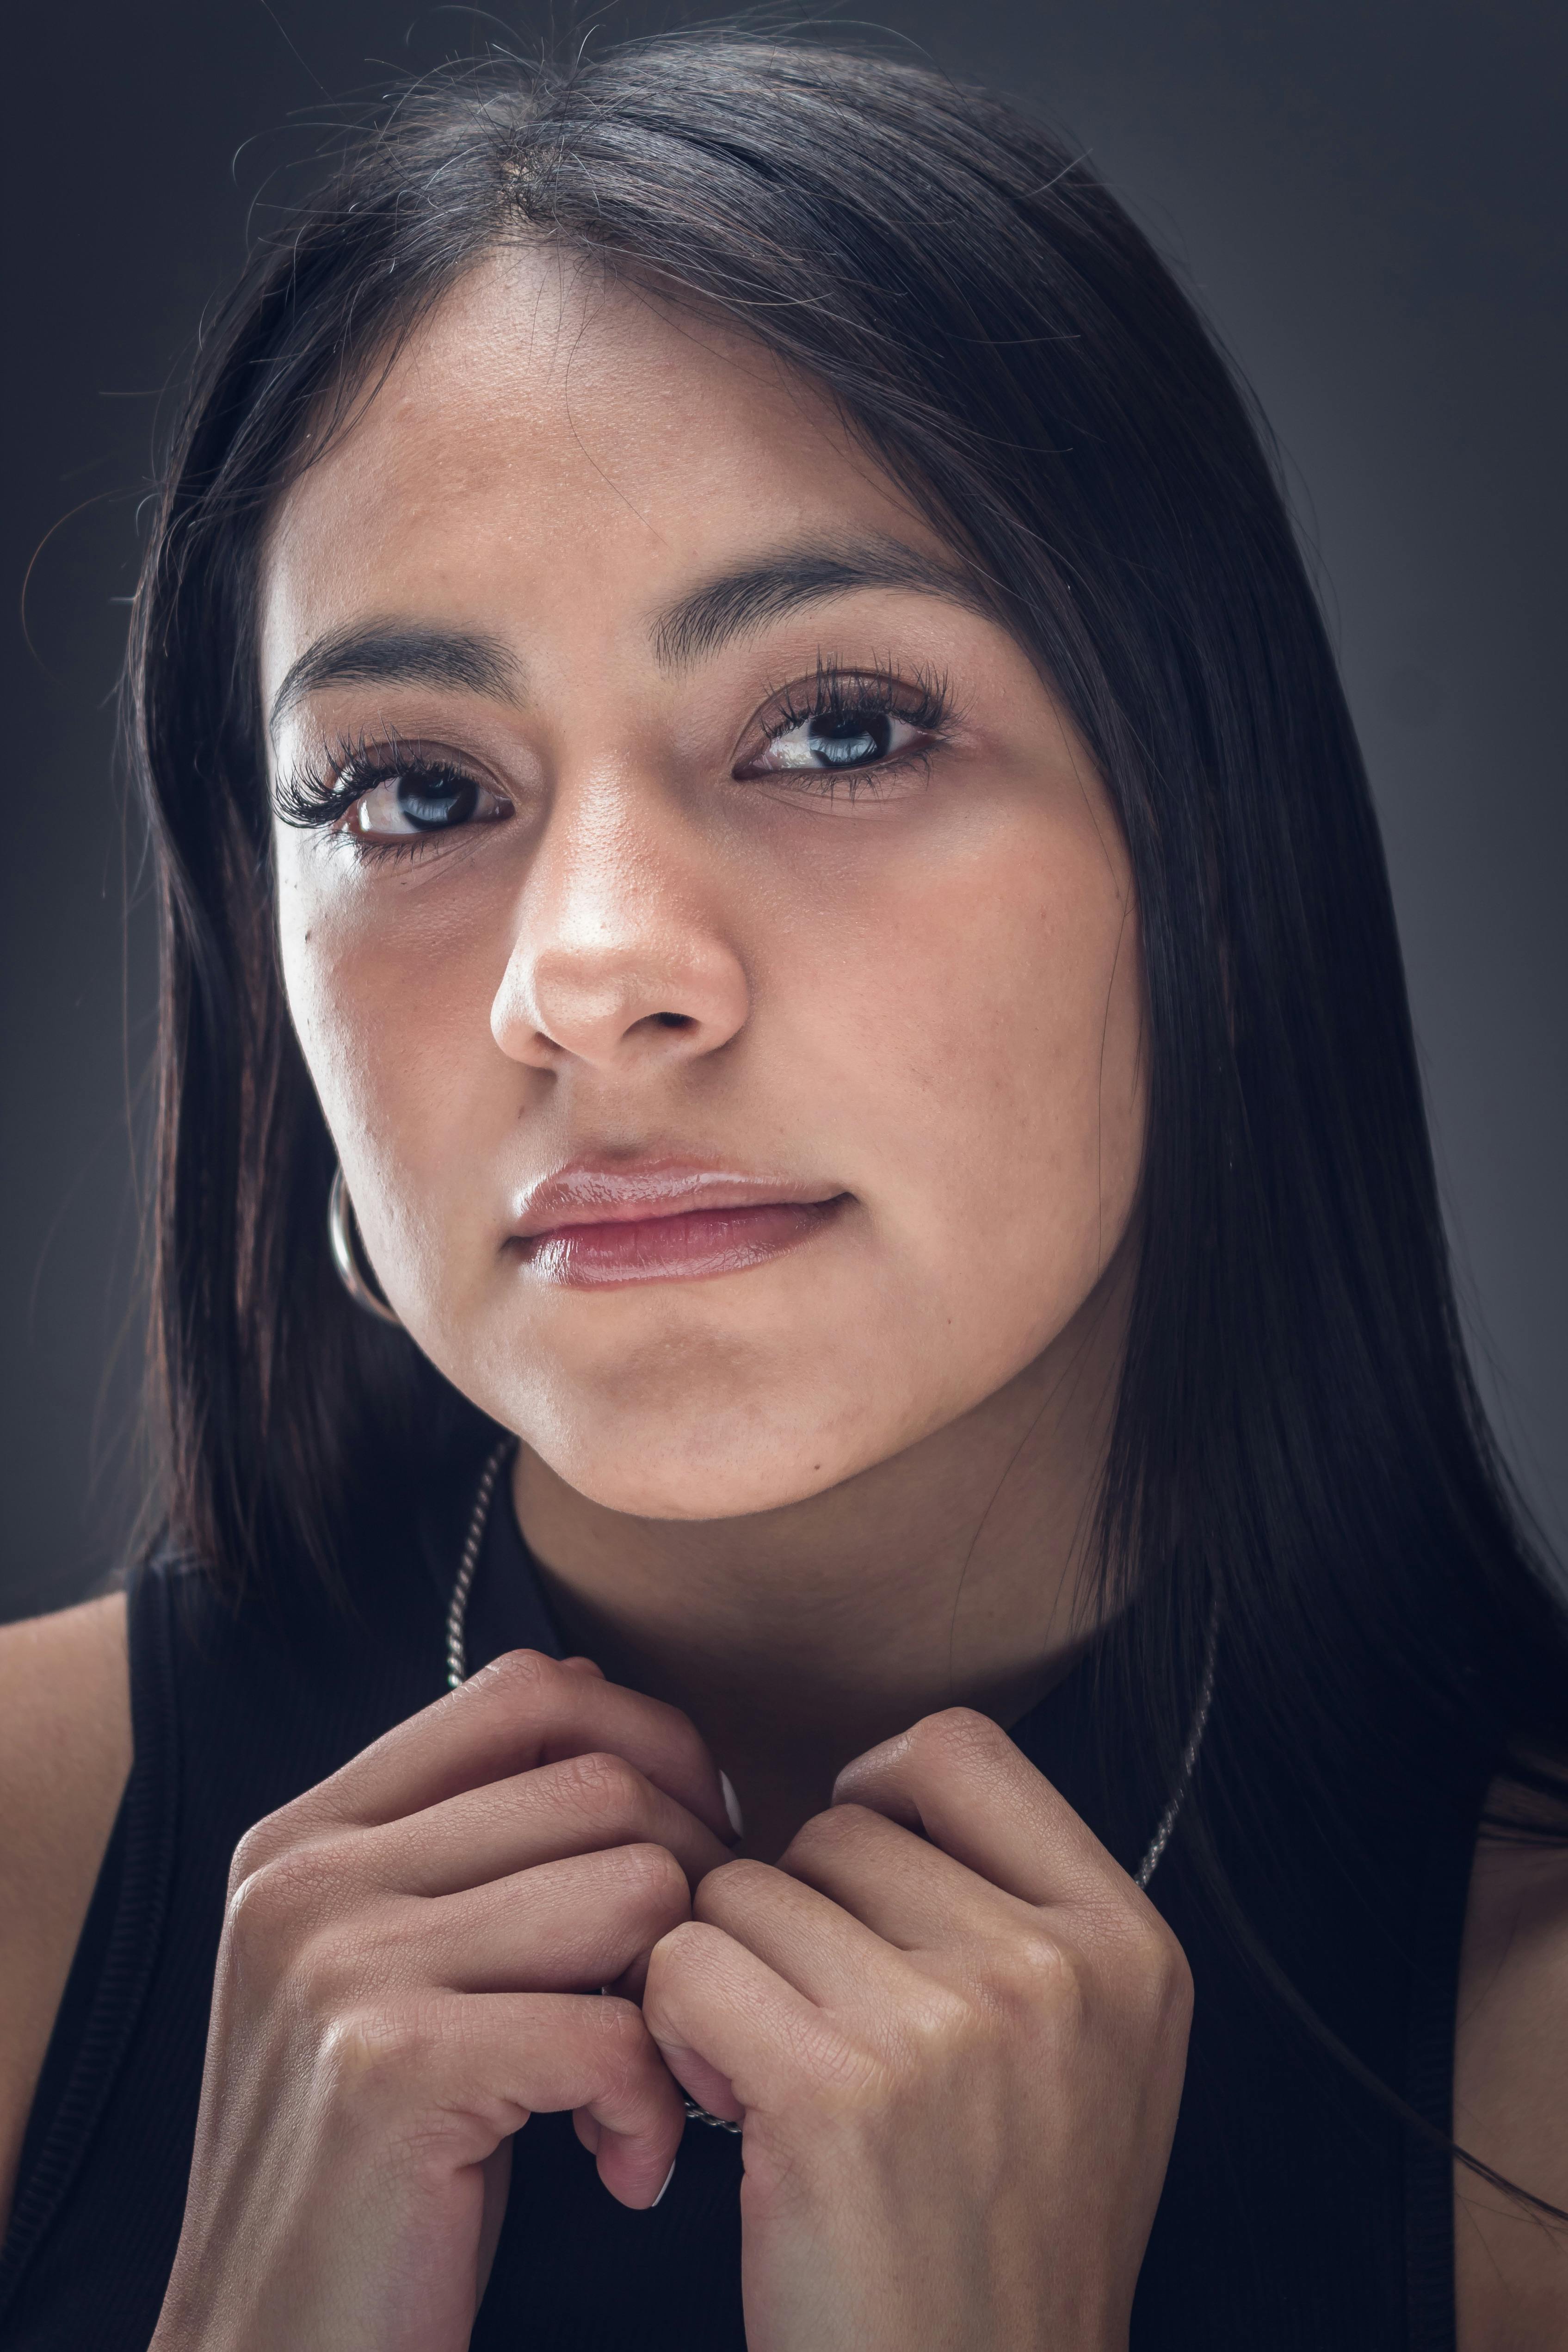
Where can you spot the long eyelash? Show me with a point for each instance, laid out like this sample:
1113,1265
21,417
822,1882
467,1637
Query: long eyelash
838,692
320,789
921,698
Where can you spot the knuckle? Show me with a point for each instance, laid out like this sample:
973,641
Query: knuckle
721,1894
954,1735
625,2041
621,2023
833,1831
842,2075
603,1783
654,1882
681,1746
1143,1957
1053,1984
1043,1959
1036,1957
518,1677
274,1903
643,1887
329,1969
1042,1978
374,2044
943,2018
671,1956
261,1843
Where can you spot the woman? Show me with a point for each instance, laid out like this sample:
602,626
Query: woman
788,1120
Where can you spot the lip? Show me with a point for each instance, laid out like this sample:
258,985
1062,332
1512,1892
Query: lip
594,1223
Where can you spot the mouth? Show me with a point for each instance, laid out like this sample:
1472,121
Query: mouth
595,1225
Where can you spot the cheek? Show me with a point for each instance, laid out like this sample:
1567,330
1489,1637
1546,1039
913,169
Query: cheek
1005,1087
393,1020
330,962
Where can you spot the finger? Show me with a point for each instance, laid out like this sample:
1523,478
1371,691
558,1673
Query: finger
958,1778
507,2056
712,2092
582,1667
581,1805
568,1926
803,1936
908,1892
711,1999
521,1710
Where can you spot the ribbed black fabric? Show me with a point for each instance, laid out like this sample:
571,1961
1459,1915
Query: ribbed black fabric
1298,2214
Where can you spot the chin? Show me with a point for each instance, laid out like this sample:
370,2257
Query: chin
699,1455
691,1425
664,1477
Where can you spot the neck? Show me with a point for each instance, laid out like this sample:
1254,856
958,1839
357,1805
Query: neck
957,1573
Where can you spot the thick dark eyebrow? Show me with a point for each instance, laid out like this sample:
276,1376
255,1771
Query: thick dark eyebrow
400,657
737,602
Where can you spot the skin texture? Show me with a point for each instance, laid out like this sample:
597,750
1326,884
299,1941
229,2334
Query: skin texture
1510,2091
820,1519
858,1474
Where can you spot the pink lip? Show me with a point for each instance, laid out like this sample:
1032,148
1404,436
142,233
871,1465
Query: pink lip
593,1224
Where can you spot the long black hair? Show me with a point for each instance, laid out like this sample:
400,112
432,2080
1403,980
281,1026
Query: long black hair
1298,1455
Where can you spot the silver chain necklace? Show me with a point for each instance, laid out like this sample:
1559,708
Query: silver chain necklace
458,1671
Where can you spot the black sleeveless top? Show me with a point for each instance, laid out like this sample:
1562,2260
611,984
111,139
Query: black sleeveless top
1299,2213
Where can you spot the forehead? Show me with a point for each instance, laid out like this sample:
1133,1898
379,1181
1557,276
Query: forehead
552,439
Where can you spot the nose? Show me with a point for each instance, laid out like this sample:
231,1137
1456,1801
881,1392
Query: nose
619,957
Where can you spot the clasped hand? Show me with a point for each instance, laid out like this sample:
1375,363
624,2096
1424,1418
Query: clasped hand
951,2028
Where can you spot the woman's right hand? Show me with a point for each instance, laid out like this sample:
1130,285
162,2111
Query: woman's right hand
407,1971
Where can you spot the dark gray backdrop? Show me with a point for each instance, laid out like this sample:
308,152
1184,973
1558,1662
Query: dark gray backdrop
1367,196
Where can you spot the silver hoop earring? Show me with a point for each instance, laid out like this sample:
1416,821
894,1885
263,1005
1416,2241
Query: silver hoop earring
345,1255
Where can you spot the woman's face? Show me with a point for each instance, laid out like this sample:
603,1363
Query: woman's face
724,992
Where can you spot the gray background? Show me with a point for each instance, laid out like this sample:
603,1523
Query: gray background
1368,199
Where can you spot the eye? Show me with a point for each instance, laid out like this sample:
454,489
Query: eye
849,722
411,801
851,736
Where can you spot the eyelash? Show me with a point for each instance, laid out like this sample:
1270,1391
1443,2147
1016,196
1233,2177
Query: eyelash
320,792
922,700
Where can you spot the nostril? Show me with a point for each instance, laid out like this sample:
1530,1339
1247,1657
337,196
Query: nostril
675,1020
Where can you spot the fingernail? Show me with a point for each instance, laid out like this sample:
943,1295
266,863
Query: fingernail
737,1819
669,2176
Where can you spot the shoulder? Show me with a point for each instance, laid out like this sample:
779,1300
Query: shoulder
1510,2090
65,1753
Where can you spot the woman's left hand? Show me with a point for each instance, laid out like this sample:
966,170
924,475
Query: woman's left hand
957,2057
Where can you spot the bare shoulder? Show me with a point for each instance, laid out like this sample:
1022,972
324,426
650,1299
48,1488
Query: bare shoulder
65,1752
1510,2095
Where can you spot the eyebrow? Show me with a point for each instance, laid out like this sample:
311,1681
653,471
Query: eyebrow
738,602
399,655
693,629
